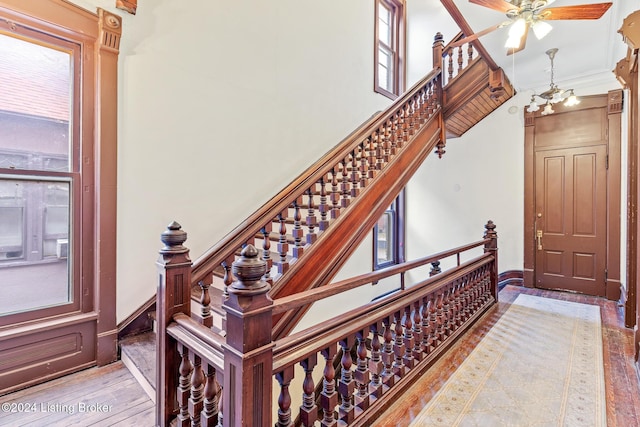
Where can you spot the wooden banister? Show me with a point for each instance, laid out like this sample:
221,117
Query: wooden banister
212,258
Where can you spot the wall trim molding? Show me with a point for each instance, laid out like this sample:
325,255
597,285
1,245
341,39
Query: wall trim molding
510,277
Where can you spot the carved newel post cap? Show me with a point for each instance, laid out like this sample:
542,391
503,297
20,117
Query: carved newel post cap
248,271
173,238
438,37
490,228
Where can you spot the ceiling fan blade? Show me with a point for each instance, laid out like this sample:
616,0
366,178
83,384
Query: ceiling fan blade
499,5
475,36
582,11
523,42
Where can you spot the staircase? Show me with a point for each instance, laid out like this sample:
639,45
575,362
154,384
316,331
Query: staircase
307,231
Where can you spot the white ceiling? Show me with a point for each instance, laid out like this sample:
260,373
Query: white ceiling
587,49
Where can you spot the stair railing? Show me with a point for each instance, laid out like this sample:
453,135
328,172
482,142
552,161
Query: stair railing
294,220
396,339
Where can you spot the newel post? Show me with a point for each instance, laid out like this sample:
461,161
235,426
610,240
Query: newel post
492,246
248,352
438,49
174,296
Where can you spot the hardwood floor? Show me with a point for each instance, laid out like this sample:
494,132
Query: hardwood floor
106,396
621,379
111,396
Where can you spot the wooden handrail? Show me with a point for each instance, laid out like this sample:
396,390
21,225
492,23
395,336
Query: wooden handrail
228,245
313,295
290,349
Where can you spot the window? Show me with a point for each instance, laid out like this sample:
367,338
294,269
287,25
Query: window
389,47
388,236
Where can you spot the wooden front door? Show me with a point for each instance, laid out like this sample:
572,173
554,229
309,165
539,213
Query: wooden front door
570,226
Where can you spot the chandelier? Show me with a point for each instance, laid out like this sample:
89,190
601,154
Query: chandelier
554,94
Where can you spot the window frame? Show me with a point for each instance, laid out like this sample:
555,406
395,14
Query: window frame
397,213
94,168
397,48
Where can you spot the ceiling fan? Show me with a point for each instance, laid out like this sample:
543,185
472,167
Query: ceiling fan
526,14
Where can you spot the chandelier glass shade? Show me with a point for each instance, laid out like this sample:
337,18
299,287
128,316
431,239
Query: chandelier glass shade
553,95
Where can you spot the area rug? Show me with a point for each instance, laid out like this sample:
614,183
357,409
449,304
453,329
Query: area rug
539,365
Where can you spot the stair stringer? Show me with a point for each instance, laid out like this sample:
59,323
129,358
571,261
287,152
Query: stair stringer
324,259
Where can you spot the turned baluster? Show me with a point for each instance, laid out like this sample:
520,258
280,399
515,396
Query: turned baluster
283,245
212,389
467,299
266,252
408,340
460,59
355,175
379,138
227,279
308,409
363,164
427,326
375,362
362,375
424,104
197,389
433,321
413,116
385,131
446,312
417,332
346,384
345,185
371,157
324,207
453,324
406,122
297,231
329,396
205,302
393,139
284,378
388,376
449,64
184,386
430,101
440,334
458,303
311,219
335,194
469,52
399,348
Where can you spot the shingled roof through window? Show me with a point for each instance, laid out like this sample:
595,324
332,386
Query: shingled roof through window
34,80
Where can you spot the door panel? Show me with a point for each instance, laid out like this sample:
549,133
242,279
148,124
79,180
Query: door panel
570,190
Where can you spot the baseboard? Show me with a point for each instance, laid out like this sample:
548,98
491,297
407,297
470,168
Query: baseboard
139,321
510,277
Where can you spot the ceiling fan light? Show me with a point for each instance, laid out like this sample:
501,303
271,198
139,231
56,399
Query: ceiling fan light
533,106
512,42
557,96
541,29
517,29
547,110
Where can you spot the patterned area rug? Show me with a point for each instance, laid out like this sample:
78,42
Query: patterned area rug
539,365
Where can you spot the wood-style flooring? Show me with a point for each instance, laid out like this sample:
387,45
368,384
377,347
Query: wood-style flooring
106,396
119,400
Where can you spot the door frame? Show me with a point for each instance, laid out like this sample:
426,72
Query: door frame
612,101
93,325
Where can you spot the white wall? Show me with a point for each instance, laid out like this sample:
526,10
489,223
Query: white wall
221,105
481,177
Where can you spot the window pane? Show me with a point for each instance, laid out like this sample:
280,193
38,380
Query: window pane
385,238
385,70
35,106
384,24
34,271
